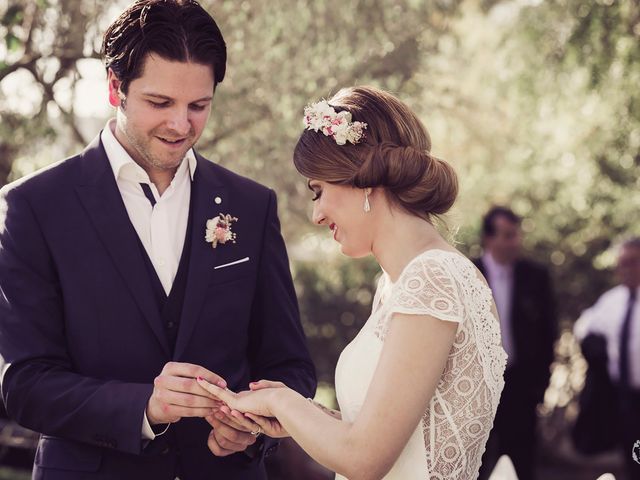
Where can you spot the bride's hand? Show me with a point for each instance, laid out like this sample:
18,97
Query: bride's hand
261,384
256,402
270,426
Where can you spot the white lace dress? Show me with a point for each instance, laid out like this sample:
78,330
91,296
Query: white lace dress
450,439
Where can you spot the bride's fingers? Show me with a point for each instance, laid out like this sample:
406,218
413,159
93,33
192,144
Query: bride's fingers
232,422
236,419
243,421
258,420
266,424
265,384
224,395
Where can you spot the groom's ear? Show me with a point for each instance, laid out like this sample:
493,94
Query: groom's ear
114,84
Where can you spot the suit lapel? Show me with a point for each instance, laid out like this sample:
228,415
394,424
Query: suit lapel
204,190
101,198
516,299
480,265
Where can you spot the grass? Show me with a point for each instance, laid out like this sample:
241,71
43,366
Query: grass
13,474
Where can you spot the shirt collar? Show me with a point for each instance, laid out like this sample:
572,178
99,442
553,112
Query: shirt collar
493,266
124,167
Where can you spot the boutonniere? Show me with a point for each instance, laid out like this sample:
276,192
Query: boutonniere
219,230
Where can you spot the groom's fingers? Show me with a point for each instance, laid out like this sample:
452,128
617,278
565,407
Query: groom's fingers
224,439
190,370
186,400
228,436
178,384
176,394
237,420
178,412
230,421
215,448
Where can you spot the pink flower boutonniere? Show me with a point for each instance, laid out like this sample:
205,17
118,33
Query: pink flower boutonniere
219,230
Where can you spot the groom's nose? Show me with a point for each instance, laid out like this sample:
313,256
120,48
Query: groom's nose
179,122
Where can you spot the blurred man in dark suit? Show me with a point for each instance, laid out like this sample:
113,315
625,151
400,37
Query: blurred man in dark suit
524,298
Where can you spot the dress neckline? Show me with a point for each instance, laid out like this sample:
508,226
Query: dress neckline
391,283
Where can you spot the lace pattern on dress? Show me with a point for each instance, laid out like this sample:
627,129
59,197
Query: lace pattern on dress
460,415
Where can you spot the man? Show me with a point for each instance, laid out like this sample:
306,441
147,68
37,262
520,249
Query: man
615,318
526,307
113,300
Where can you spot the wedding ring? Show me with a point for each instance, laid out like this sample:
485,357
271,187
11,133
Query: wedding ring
258,432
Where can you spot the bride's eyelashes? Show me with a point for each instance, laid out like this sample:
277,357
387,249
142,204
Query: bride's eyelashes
315,188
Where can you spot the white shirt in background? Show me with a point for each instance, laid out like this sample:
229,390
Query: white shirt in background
500,278
606,317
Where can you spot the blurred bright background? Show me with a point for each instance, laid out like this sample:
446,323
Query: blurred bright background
535,103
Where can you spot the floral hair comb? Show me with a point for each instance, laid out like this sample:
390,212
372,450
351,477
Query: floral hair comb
322,116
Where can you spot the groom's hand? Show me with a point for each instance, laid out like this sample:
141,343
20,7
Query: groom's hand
176,393
227,436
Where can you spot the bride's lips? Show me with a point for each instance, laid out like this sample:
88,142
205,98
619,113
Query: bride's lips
334,229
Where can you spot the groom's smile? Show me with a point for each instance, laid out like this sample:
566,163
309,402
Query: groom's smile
163,112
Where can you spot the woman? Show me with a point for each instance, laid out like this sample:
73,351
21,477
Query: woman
419,386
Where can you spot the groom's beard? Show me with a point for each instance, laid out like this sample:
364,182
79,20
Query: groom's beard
149,151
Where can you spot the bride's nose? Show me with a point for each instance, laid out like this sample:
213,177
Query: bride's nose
317,216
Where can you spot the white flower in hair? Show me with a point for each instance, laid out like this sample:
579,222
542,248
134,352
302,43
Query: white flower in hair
322,116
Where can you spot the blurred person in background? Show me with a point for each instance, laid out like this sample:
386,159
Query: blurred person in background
614,321
526,306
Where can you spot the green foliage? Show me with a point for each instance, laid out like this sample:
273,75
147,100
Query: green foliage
287,53
12,42
574,163
335,300
13,16
13,474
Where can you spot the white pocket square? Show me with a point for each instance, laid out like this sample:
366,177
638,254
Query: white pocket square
236,262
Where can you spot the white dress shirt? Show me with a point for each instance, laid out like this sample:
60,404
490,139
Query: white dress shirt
500,279
161,228
606,318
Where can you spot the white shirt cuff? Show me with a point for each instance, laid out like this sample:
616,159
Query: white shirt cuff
147,431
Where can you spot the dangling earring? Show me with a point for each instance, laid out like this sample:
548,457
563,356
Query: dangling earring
367,205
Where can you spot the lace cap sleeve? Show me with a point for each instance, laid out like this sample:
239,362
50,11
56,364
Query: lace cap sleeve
426,287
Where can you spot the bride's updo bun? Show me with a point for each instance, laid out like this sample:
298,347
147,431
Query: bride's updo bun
394,154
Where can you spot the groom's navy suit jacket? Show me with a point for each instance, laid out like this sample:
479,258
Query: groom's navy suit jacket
82,337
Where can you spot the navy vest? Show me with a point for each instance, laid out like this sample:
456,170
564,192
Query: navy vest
170,307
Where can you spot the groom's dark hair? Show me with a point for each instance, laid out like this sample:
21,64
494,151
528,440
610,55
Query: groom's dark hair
179,30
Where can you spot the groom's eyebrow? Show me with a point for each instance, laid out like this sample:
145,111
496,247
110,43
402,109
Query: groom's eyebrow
164,97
